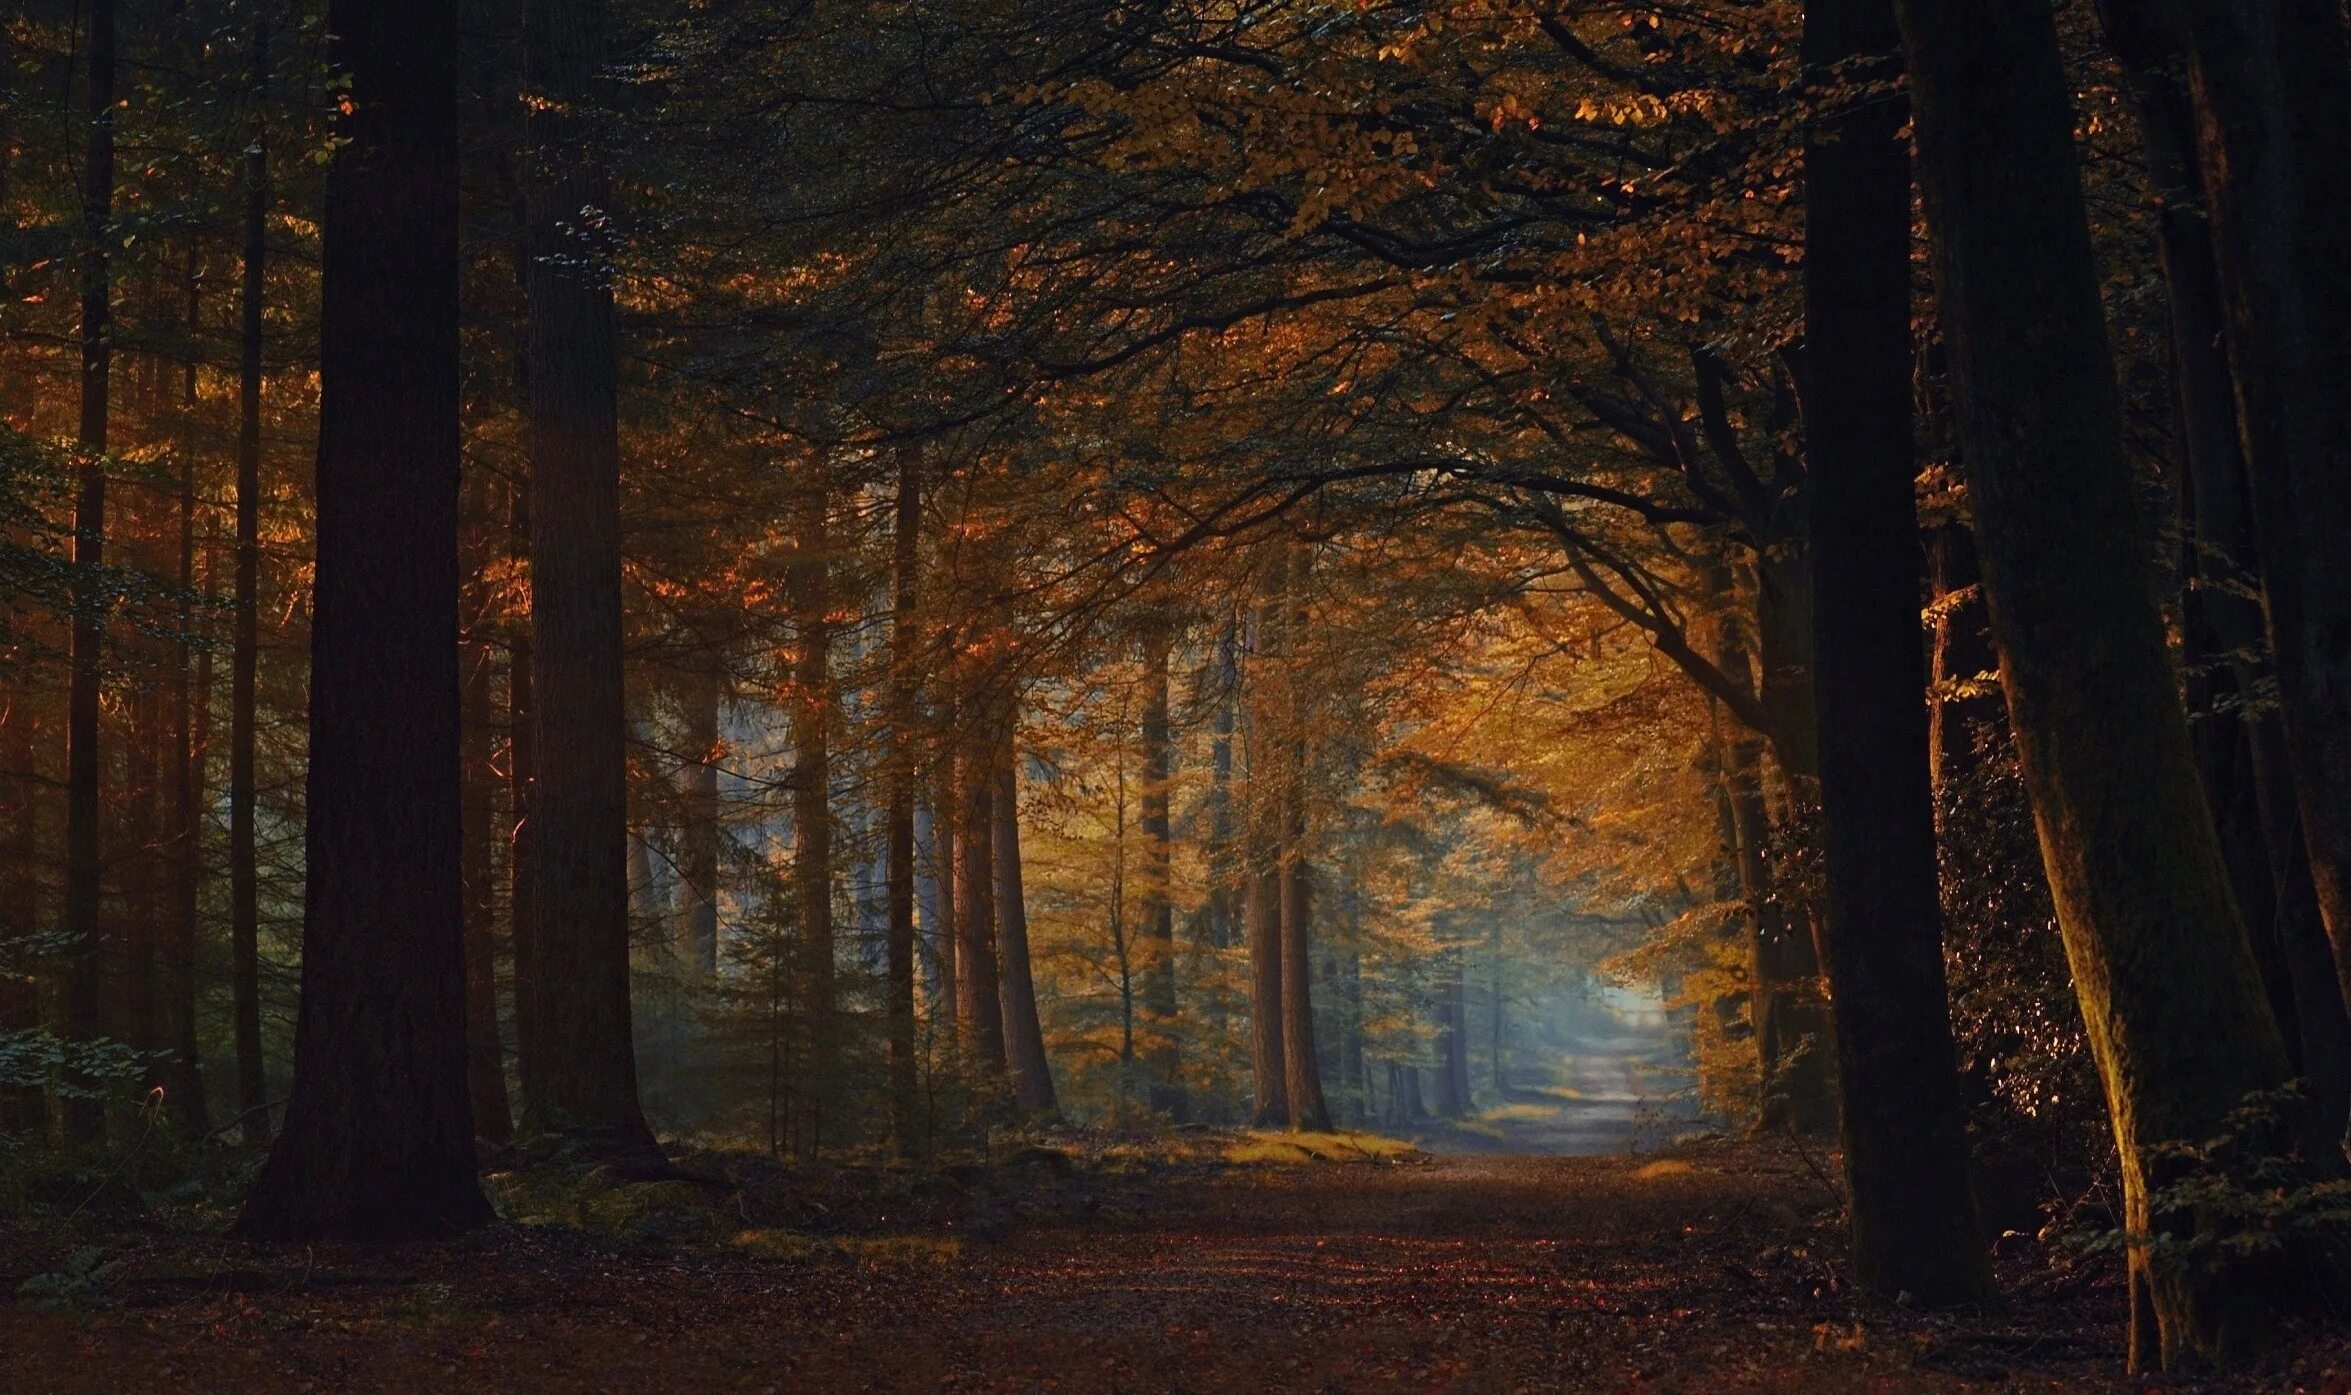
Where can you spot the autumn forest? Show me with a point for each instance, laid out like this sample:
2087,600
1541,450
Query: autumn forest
1106,695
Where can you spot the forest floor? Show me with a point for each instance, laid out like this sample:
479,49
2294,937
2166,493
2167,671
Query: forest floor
1708,1268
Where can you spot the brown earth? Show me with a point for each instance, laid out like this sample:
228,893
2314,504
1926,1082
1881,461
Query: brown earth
1712,1270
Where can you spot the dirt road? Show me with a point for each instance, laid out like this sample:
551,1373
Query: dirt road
1463,1274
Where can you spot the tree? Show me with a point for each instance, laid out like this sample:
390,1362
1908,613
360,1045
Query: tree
900,770
812,711
79,1118
2176,1015
1915,1228
1157,936
2272,98
1024,1036
579,803
378,1138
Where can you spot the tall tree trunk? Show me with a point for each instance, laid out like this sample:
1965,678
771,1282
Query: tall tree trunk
22,904
2236,739
1912,1204
1024,1034
244,869
485,1052
1785,1005
2272,94
1453,1099
1270,1107
899,768
697,927
946,820
1224,874
1262,863
979,1004
811,712
579,804
80,1119
522,877
2173,1002
175,961
1301,1067
1157,937
378,1141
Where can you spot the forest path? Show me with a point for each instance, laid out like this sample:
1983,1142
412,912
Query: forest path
1697,1273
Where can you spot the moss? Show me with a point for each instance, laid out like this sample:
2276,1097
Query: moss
1257,1147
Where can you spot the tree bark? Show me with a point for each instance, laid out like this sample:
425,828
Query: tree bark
485,1052
899,767
697,926
2173,1002
244,869
522,878
946,819
2230,664
1453,1099
1301,1067
811,713
2271,86
1911,1202
378,1141
979,1003
175,961
579,804
1024,1034
1157,937
80,1118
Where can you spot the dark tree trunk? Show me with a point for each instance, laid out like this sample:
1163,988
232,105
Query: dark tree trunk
900,771
175,959
1301,1067
244,868
378,1141
1024,1034
2168,987
946,820
1404,1089
1453,1101
579,804
21,903
522,878
2236,738
80,1118
2272,104
1912,1205
979,1003
1156,942
697,928
485,1052
811,709
1270,1107
1224,876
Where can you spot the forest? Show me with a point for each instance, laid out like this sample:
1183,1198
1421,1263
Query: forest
1173,695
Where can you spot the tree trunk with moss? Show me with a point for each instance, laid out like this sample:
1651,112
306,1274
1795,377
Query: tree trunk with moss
2174,1005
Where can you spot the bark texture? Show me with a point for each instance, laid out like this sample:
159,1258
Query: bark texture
579,804
1912,1204
378,1142
2167,982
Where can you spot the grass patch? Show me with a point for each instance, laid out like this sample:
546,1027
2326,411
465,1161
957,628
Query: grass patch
1663,1167
1256,1147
